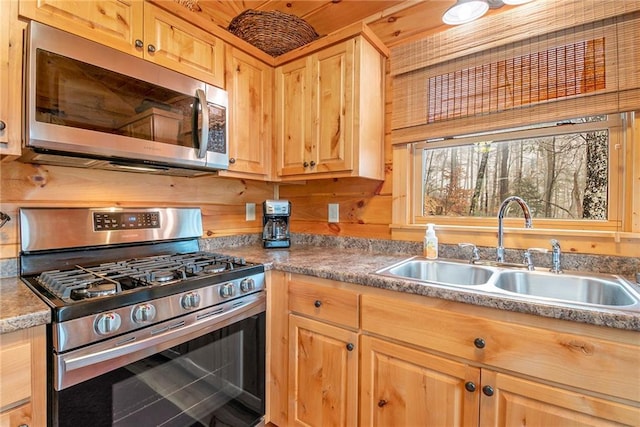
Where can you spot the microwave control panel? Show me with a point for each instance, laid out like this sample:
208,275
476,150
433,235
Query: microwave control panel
110,221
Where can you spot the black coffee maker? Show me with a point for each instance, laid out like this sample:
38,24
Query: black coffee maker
275,223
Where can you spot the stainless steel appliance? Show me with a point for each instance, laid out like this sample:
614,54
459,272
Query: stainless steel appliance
275,224
95,107
147,330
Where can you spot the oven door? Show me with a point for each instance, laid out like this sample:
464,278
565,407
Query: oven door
216,378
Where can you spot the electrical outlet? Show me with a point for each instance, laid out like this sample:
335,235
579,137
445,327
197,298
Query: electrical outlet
250,211
334,212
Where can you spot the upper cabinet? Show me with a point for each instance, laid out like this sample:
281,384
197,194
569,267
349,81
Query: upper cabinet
249,84
138,28
10,80
329,113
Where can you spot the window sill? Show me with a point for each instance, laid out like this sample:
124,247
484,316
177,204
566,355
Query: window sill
572,241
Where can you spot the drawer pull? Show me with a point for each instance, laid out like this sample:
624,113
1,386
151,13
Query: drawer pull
350,347
318,303
381,403
470,386
487,390
479,343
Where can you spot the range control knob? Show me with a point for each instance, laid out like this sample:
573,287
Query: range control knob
190,300
143,313
107,323
227,290
247,285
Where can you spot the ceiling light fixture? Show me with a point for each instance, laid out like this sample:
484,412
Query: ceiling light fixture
465,11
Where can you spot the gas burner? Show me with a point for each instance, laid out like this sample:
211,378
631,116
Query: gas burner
162,276
94,290
214,268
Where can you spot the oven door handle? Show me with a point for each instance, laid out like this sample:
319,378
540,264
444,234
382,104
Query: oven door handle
89,362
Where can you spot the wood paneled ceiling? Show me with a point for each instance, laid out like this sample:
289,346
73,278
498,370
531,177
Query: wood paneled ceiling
393,21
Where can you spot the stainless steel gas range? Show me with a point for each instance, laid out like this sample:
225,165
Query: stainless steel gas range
147,330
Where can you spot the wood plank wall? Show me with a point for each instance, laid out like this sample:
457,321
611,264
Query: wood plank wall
222,199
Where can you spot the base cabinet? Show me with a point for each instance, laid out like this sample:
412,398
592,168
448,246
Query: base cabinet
515,401
407,387
23,378
422,361
323,374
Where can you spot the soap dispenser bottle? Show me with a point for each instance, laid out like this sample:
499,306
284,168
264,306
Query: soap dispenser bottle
430,243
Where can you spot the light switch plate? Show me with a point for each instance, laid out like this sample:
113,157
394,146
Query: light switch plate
251,212
334,212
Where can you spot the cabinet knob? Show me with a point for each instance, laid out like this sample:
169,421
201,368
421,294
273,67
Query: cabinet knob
232,160
151,48
479,343
350,347
488,390
381,403
470,386
313,163
139,43
305,164
3,125
317,303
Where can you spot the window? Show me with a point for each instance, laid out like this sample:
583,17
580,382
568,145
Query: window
563,170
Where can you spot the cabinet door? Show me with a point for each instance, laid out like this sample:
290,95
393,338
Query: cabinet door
20,416
293,117
323,374
10,80
250,87
401,386
513,401
175,44
114,23
332,98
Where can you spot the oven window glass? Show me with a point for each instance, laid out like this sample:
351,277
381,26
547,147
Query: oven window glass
76,94
213,380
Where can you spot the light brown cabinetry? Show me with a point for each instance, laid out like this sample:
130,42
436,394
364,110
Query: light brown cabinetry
426,361
541,375
323,356
329,113
403,386
10,80
138,28
23,378
249,83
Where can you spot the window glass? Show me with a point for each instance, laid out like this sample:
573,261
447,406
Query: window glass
561,174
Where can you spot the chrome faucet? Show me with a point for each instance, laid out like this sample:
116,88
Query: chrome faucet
555,257
475,254
501,212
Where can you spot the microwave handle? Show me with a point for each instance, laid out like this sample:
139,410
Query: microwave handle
204,133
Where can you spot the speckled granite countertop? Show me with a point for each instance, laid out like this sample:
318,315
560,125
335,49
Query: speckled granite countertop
357,266
19,307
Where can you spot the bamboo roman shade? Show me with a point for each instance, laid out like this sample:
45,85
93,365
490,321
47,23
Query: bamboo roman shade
444,87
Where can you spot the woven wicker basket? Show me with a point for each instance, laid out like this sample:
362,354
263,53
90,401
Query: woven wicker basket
271,31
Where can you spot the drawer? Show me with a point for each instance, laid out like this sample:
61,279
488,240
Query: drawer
554,355
328,301
15,369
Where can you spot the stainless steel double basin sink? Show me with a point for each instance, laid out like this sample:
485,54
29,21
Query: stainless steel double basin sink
588,290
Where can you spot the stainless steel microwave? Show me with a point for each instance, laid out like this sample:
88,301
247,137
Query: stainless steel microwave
91,106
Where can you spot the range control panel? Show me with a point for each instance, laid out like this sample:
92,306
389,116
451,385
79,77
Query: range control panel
109,221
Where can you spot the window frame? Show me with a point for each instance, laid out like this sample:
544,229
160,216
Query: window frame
615,123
